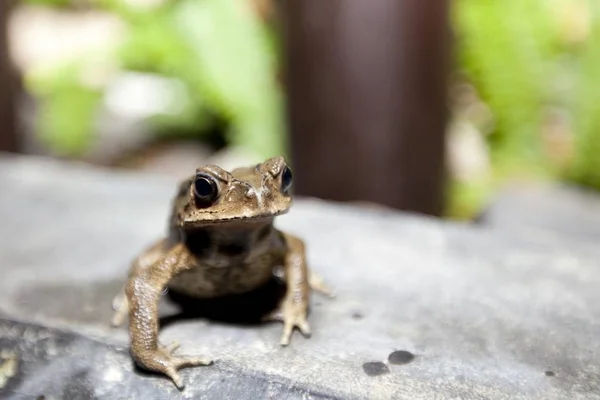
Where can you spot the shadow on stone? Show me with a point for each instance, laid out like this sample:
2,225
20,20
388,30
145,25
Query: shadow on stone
242,309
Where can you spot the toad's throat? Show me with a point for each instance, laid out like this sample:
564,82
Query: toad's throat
228,244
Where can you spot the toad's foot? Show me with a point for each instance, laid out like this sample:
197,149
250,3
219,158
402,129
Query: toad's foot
162,360
292,316
317,284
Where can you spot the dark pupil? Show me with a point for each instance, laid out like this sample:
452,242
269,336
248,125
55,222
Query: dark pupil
286,179
203,187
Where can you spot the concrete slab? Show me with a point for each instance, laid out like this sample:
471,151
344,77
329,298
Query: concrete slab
424,309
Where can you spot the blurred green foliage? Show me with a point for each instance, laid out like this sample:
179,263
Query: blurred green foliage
49,3
219,50
503,46
526,59
585,168
67,113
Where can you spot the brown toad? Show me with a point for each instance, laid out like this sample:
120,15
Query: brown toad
221,241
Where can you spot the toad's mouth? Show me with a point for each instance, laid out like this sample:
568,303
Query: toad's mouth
216,220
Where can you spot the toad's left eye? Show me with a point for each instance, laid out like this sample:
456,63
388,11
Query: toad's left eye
286,179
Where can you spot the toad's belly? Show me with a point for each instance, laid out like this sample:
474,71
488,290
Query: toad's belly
207,282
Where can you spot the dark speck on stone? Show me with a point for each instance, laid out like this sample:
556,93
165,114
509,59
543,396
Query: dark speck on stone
375,368
357,315
401,357
550,373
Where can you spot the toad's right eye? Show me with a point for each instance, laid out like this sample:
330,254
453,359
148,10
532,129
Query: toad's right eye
206,190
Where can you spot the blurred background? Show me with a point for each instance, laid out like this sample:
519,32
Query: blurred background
429,107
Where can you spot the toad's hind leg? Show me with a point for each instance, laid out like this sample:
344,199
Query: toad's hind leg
149,257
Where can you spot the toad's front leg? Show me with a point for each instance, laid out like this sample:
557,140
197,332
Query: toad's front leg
294,306
143,291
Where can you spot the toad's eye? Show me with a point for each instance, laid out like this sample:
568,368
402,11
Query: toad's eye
206,190
286,179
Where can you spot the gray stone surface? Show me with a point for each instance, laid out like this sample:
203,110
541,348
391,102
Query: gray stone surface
487,315
546,209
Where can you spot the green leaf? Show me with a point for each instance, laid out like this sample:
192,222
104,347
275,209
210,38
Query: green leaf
67,111
236,70
504,47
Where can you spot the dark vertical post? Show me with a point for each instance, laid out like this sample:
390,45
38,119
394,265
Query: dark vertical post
8,125
366,84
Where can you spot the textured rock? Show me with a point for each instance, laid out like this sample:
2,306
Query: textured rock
485,314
